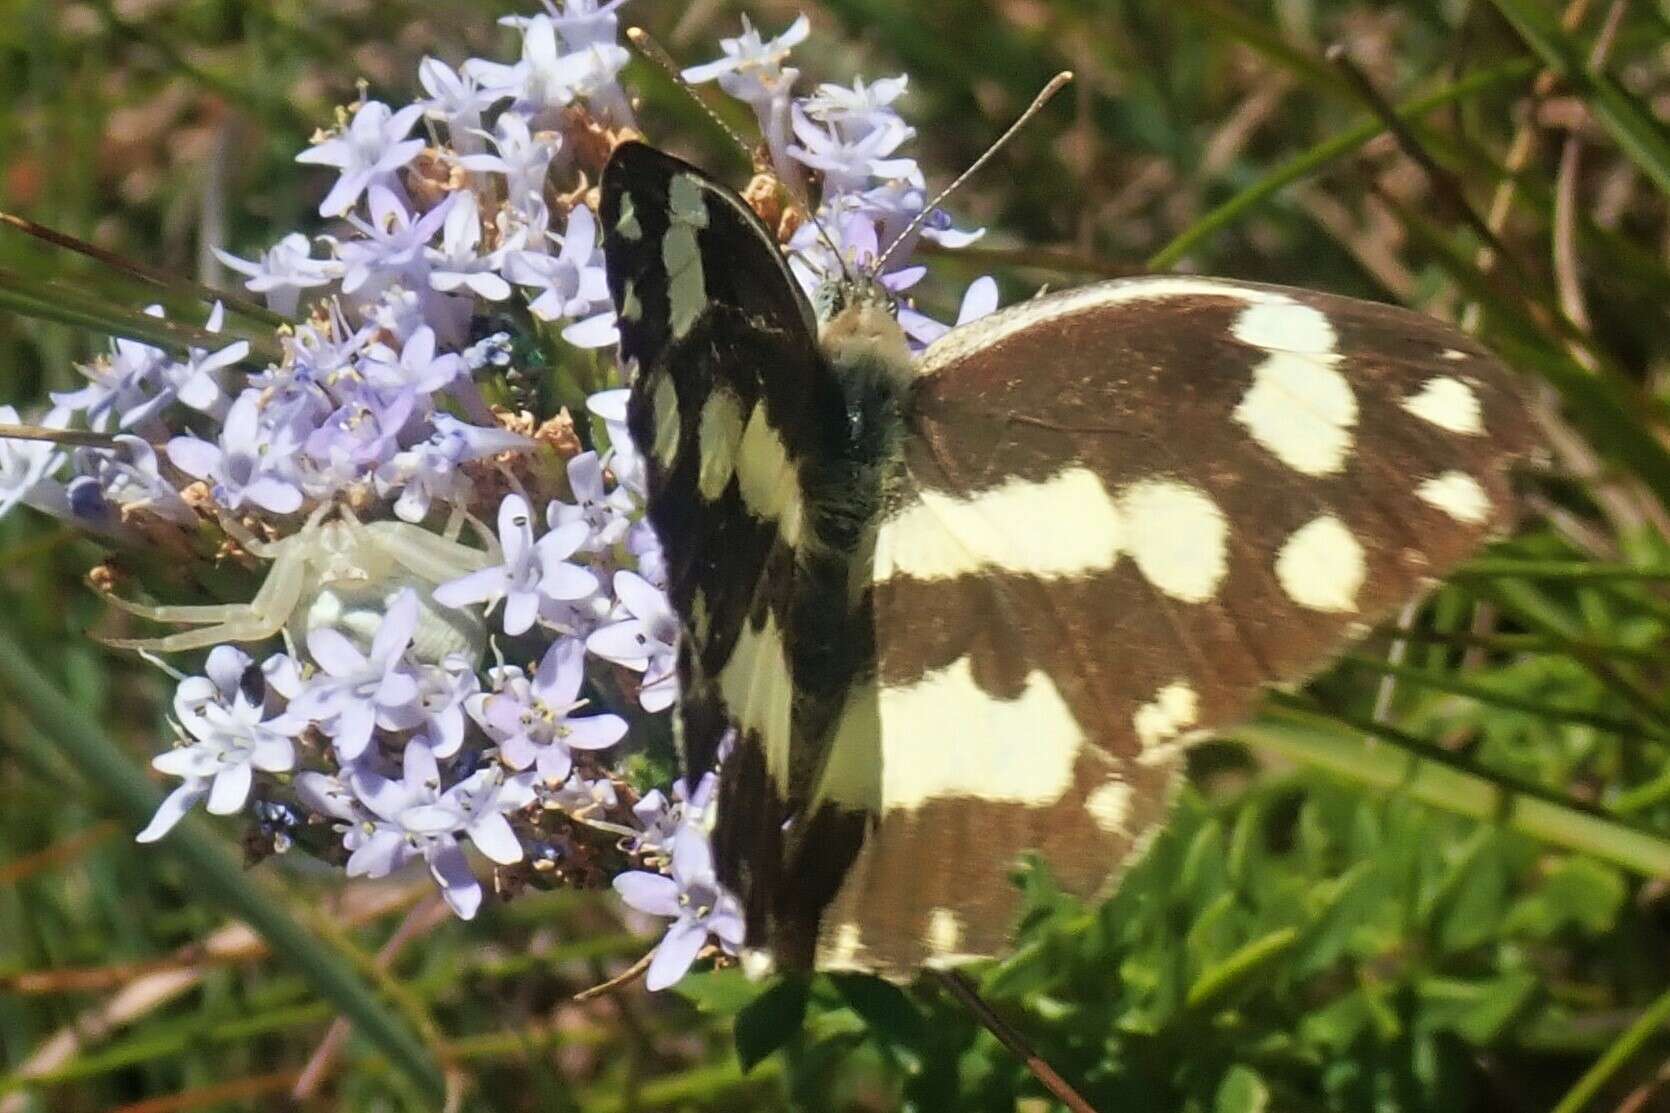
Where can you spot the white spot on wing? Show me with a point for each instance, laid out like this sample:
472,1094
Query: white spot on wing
1322,566
842,949
945,932
1449,404
665,400
721,431
769,482
759,690
1064,526
1177,536
1018,750
1301,409
1173,710
1109,806
1457,494
1285,327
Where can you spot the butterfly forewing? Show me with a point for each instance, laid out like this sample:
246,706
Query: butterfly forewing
731,400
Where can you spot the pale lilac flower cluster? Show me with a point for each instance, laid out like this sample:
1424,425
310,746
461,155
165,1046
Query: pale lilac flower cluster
456,247
871,193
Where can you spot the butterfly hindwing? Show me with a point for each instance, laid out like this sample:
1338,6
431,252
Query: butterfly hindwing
1124,510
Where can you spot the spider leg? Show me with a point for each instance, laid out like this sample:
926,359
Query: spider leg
488,538
429,556
454,523
180,613
200,638
260,618
268,550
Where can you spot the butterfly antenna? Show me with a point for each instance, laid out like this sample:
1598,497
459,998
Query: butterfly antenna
656,53
1045,95
652,50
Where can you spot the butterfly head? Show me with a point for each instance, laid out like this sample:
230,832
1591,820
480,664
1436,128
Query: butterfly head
858,325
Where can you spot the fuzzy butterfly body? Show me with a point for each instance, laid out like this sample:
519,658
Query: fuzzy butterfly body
969,606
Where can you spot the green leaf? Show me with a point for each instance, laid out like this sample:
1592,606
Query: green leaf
718,992
892,1016
1241,1091
771,1019
1218,980
1478,1012
1580,893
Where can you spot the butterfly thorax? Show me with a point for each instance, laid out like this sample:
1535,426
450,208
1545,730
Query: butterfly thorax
861,341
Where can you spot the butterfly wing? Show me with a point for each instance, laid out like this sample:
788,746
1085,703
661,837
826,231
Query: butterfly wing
731,402
1124,510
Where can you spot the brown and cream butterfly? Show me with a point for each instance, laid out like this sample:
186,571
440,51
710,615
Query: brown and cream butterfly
969,605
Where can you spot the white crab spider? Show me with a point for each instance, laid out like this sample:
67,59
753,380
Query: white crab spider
342,574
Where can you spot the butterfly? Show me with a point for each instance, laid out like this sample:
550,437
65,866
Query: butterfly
969,606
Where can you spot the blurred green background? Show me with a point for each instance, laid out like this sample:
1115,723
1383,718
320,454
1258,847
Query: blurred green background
1432,884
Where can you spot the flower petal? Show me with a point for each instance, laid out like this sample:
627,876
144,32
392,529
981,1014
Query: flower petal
173,809
648,892
675,954
230,789
378,855
485,585
492,836
451,871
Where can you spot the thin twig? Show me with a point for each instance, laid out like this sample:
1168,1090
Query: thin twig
1443,184
625,977
1395,655
1520,149
65,850
963,990
74,438
1564,231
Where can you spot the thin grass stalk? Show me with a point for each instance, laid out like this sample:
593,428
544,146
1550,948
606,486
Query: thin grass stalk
1319,742
1331,150
1630,123
215,874
1648,1025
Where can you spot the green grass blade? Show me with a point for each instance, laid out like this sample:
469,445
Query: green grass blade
1237,21
1448,682
1325,744
1573,571
215,874
51,301
1334,148
1630,124
1648,1025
